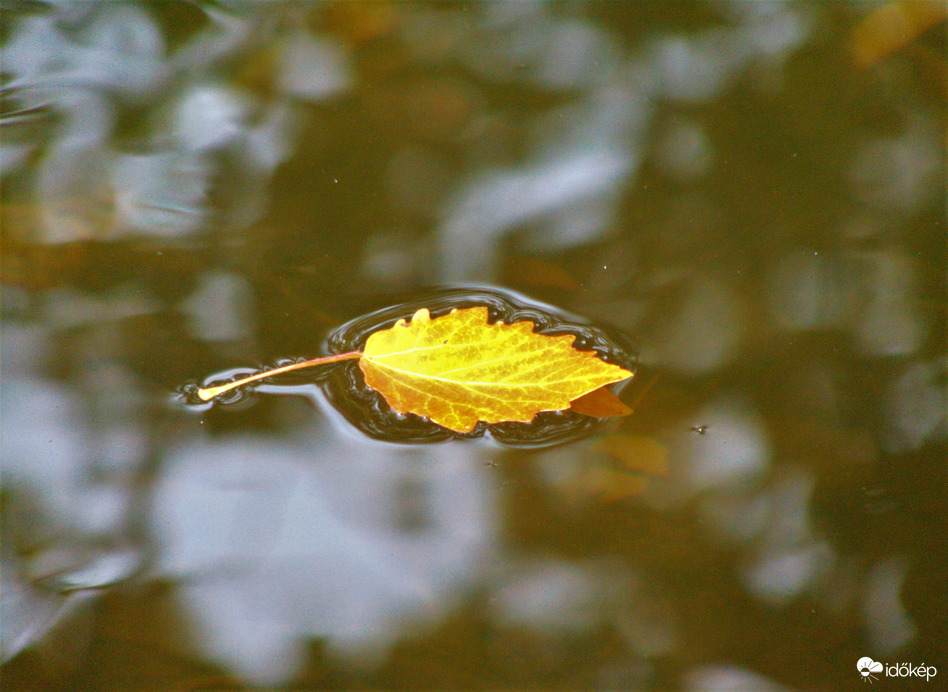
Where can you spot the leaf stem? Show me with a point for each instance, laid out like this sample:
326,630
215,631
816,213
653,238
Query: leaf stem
208,393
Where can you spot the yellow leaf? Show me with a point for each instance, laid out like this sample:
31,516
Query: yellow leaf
458,369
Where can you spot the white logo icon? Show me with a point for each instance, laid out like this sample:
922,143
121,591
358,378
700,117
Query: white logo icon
866,667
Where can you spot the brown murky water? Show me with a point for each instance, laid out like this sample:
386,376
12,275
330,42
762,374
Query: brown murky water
748,197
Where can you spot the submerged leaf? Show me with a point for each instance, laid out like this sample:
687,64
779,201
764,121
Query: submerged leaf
458,369
600,403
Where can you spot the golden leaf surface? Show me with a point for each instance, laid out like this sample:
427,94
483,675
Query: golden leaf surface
457,369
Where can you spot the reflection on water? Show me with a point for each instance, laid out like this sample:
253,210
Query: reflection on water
278,540
192,187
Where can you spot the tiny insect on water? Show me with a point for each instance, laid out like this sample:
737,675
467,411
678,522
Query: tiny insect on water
700,429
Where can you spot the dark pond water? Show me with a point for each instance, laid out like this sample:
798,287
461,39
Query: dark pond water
749,198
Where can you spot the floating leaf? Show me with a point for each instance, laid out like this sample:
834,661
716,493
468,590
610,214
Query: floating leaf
458,369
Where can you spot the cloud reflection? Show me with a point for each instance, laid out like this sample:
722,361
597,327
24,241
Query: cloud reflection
356,543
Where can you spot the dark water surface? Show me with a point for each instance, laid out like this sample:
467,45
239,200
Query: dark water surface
745,198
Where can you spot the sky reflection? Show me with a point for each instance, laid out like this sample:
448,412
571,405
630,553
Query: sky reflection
751,192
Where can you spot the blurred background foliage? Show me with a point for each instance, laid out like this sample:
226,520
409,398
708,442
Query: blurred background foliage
753,192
